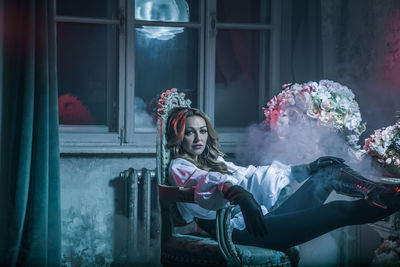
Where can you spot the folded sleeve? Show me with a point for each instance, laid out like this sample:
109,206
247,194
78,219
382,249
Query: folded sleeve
264,182
207,185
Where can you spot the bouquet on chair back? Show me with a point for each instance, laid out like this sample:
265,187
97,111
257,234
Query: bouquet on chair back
384,146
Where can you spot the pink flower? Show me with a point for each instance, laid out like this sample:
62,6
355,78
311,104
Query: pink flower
274,118
366,145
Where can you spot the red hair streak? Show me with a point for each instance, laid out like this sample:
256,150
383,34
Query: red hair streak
179,129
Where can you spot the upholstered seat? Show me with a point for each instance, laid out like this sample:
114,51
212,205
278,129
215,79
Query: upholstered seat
192,250
250,255
195,250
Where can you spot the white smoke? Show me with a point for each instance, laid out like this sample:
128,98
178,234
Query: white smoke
300,142
142,118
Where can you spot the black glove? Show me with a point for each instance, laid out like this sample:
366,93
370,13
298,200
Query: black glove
251,210
303,171
323,162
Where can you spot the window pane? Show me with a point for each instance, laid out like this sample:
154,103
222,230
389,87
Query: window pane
161,65
239,11
87,74
167,10
237,77
88,8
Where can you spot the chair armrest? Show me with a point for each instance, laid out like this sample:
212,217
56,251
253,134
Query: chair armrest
223,220
224,236
175,193
229,250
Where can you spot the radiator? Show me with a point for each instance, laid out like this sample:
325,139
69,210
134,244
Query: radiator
143,213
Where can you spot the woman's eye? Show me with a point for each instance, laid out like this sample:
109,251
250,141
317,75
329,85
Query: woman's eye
188,132
203,131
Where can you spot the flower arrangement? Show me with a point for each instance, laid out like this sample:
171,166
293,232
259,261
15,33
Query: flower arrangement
330,103
384,146
388,253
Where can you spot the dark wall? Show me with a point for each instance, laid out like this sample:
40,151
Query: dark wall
354,42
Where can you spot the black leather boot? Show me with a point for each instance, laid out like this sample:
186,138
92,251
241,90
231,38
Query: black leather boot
351,183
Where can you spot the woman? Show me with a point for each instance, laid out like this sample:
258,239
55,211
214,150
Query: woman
197,163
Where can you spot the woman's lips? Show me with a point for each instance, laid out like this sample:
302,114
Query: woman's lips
197,146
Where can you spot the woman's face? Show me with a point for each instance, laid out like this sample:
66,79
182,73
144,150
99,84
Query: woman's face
195,136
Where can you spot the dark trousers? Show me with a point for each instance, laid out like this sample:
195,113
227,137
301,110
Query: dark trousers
304,216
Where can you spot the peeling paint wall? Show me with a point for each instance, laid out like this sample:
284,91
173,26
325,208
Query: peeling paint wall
93,232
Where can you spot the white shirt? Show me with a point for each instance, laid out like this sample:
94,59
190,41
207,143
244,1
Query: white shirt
264,182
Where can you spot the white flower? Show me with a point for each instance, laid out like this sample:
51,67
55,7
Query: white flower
352,139
303,100
313,112
331,103
381,150
382,143
351,123
327,104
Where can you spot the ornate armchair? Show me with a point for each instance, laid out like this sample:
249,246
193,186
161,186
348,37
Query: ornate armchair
195,249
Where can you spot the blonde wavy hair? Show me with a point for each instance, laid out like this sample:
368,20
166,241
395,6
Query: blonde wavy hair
175,130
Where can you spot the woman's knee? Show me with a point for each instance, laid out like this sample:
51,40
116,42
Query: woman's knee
327,174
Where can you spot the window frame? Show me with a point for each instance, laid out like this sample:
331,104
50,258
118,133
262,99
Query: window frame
86,138
96,139
231,137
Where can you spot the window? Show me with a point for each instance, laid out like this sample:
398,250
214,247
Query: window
88,58
115,58
168,52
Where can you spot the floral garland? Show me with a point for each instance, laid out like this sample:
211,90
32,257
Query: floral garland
331,103
384,146
388,253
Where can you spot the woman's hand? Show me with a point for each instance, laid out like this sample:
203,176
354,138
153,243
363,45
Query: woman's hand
251,210
303,171
323,162
253,217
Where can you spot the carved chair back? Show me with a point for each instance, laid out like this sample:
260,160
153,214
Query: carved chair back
168,195
168,100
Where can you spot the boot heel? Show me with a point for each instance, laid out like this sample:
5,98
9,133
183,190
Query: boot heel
378,194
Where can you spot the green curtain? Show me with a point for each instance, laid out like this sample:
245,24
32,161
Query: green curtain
29,162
